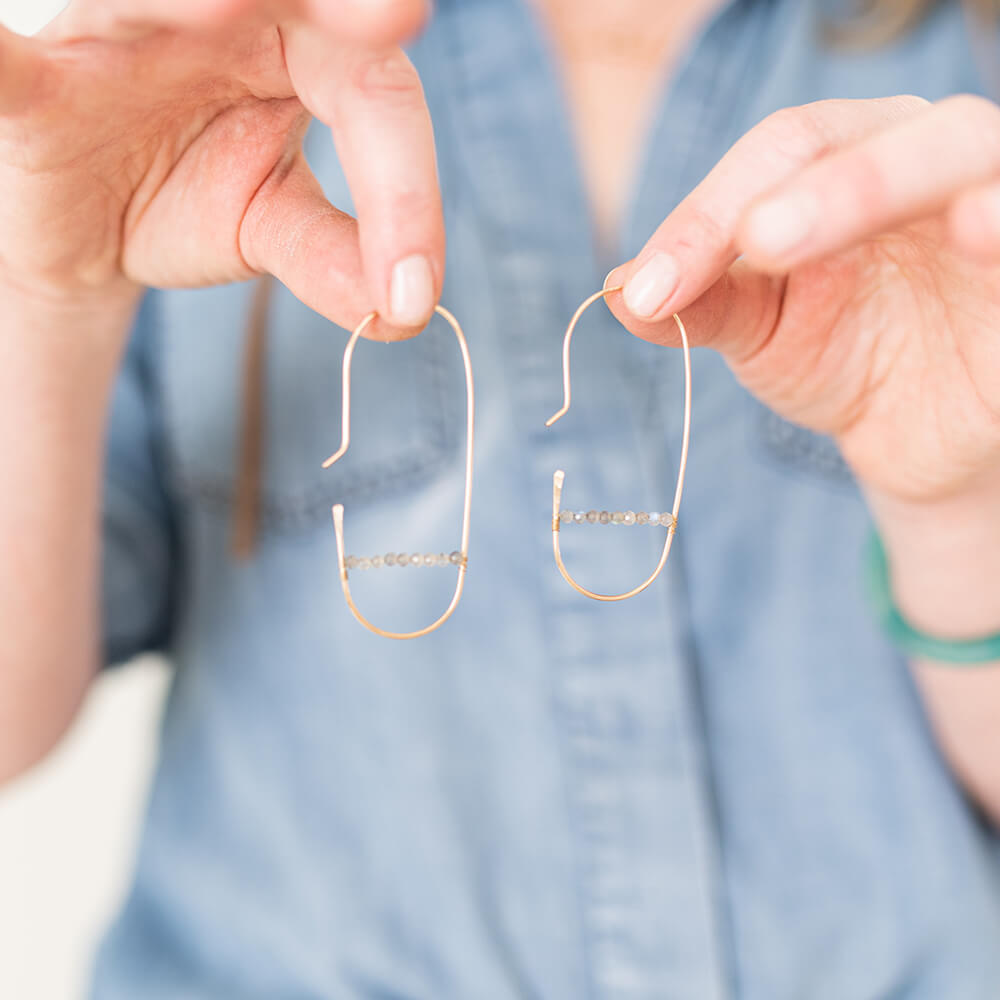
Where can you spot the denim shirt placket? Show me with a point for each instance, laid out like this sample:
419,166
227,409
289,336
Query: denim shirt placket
624,697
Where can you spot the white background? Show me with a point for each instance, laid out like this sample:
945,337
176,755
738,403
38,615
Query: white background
28,16
67,829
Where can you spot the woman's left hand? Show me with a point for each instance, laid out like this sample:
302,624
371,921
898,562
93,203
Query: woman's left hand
866,300
845,259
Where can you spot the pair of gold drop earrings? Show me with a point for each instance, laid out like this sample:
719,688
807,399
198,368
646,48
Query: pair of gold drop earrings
460,556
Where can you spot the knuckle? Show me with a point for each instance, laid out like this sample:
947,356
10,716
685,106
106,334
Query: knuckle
783,120
905,104
974,222
798,135
387,75
812,131
977,123
862,175
400,20
417,209
221,11
973,107
388,23
707,229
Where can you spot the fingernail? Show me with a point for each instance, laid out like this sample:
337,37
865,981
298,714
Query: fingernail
782,225
647,291
411,291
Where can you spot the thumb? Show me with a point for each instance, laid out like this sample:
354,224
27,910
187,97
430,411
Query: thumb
776,342
290,230
736,316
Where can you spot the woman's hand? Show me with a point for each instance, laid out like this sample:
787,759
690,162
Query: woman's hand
158,142
845,259
866,303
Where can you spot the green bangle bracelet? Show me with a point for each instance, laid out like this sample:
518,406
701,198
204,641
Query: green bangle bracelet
956,652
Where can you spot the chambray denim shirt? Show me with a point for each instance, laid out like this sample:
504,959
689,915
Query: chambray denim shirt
724,788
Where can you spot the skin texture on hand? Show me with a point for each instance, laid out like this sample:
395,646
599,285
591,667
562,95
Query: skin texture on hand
160,144
874,329
877,321
845,259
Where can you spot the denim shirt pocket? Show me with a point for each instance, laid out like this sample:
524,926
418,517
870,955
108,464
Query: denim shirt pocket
795,449
401,422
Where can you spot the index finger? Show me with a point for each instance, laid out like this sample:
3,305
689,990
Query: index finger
905,173
697,242
374,104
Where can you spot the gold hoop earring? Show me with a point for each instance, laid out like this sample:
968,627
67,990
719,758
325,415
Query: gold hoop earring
460,557
669,521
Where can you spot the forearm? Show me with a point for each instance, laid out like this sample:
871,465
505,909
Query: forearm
944,559
57,365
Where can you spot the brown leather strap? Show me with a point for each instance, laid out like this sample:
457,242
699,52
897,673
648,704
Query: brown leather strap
246,502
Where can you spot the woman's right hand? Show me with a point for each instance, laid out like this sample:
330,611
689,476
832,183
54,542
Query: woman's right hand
159,142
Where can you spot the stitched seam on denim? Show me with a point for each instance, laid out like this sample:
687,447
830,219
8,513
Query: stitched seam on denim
780,443
290,510
304,508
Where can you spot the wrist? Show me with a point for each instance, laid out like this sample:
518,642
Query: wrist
944,559
79,327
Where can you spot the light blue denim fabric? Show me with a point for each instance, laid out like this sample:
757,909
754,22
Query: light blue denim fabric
724,788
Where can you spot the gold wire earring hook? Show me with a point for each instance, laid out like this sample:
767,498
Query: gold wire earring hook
560,476
459,558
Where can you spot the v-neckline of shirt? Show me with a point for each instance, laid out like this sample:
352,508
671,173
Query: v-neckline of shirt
551,192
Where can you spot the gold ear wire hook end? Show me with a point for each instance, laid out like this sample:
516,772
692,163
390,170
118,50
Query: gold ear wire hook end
567,388
345,392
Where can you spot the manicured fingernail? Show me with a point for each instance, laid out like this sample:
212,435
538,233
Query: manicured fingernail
411,291
647,291
783,224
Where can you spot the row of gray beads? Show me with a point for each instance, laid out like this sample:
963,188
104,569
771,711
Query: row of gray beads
624,517
404,559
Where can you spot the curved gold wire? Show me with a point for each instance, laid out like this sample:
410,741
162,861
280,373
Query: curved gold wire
560,477
338,509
